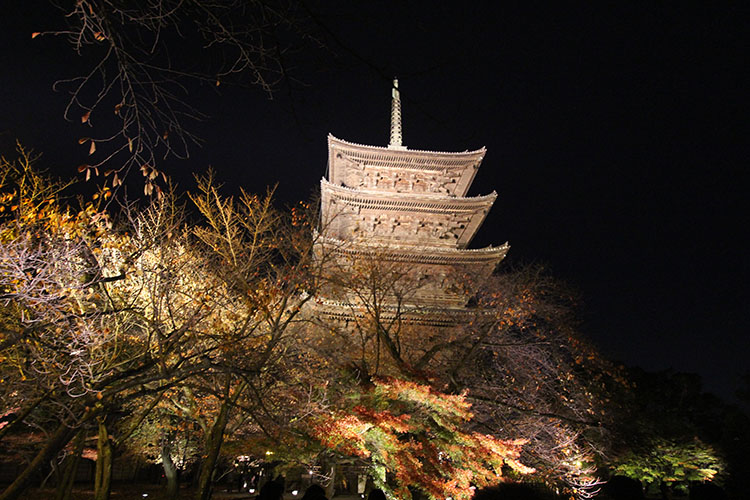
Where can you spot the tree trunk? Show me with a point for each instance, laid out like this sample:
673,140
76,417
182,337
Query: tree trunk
215,440
213,446
666,491
22,416
54,470
331,487
170,471
54,444
70,468
103,474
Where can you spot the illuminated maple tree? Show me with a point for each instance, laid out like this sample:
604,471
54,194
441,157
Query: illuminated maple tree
411,436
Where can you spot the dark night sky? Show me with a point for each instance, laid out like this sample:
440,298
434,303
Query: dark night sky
616,135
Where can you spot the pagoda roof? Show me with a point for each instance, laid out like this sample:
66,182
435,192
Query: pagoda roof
419,315
440,211
344,156
421,254
412,202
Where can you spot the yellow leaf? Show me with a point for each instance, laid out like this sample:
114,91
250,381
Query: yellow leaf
85,117
92,148
35,34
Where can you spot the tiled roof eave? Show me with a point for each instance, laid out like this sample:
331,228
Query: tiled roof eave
409,200
420,254
477,152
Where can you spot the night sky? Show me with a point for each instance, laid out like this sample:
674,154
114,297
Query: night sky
616,133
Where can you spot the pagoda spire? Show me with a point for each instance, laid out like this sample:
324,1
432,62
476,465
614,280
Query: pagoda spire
396,137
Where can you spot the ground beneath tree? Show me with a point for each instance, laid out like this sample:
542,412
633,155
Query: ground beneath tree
150,492
132,492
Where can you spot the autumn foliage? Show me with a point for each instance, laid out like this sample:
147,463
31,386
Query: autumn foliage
413,436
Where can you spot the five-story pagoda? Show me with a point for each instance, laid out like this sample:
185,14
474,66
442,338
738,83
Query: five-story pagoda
392,206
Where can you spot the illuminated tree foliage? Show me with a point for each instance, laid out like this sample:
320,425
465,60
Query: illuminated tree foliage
262,264
527,368
670,462
670,433
191,343
93,316
413,436
515,352
101,319
167,437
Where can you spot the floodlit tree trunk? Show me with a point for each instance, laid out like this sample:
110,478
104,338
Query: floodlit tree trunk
103,474
54,444
70,468
170,471
213,444
331,487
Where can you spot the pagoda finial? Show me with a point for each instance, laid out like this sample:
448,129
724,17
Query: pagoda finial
396,118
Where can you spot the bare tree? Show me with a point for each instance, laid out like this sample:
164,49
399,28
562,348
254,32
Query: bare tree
527,367
143,57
